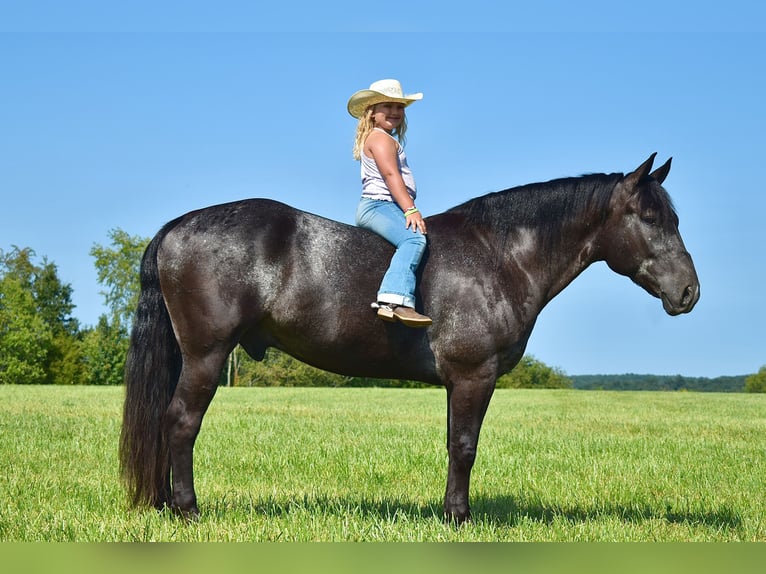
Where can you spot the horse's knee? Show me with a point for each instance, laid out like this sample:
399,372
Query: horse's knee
184,414
463,452
182,426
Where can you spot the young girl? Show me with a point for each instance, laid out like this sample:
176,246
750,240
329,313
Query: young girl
387,206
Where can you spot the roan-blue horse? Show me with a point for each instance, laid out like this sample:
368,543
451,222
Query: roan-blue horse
261,274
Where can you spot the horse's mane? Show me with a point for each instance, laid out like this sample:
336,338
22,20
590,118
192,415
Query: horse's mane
546,206
550,205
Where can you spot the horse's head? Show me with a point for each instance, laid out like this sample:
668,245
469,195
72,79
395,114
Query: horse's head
641,240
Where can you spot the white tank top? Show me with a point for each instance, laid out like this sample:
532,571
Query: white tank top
373,184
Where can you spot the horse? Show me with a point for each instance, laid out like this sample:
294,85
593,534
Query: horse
261,274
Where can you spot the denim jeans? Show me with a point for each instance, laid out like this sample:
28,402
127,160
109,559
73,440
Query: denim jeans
387,220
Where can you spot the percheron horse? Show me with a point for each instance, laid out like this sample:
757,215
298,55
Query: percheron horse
261,274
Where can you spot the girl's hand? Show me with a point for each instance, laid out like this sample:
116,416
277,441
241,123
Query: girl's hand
416,222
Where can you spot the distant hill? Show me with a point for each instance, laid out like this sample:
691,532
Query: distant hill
634,382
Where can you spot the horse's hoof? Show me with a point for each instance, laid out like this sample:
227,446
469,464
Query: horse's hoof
186,514
457,518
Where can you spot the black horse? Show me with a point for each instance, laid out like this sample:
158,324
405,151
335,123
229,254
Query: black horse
261,274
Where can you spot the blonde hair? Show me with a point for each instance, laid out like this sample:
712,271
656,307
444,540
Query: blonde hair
367,124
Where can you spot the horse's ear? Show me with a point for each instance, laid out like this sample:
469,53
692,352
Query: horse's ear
632,179
662,172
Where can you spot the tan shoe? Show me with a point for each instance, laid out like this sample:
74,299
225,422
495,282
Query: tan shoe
407,315
410,317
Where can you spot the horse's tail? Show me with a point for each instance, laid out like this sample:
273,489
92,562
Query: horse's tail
152,369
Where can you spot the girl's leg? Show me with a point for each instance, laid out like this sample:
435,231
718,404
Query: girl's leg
387,220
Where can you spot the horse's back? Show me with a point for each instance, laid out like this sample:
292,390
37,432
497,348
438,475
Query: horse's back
263,249
267,274
261,232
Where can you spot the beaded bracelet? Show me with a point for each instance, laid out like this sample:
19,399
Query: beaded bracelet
410,211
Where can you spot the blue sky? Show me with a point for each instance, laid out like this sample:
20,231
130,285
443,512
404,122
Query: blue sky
125,119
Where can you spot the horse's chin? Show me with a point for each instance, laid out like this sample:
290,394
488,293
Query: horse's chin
671,309
686,304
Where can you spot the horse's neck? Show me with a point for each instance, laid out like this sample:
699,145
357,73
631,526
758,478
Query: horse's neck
551,262
569,264
542,235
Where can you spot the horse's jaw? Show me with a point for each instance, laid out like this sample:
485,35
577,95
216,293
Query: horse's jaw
679,290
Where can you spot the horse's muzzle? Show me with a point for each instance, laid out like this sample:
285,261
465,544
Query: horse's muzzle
684,303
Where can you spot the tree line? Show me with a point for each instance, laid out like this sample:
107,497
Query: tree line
637,382
41,342
279,369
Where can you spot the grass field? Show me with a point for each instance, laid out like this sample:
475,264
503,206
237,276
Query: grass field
370,465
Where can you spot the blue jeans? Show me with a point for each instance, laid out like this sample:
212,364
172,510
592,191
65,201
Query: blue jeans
387,220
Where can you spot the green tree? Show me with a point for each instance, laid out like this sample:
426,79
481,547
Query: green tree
38,335
756,383
25,339
52,298
533,374
277,369
104,348
67,362
118,268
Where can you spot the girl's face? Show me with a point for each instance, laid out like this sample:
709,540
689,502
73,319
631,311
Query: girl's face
388,115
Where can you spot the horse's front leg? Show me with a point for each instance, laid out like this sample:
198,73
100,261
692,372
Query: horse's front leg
467,403
196,388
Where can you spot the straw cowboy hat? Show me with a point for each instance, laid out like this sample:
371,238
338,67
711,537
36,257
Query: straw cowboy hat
380,91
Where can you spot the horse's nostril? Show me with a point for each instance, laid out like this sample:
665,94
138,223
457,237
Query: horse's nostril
688,296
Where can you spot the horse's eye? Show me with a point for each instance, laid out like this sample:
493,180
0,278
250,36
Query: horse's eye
649,217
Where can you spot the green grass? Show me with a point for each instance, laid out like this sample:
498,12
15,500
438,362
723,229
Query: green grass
370,464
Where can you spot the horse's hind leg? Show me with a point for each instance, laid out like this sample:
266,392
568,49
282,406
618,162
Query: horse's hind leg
467,404
196,388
